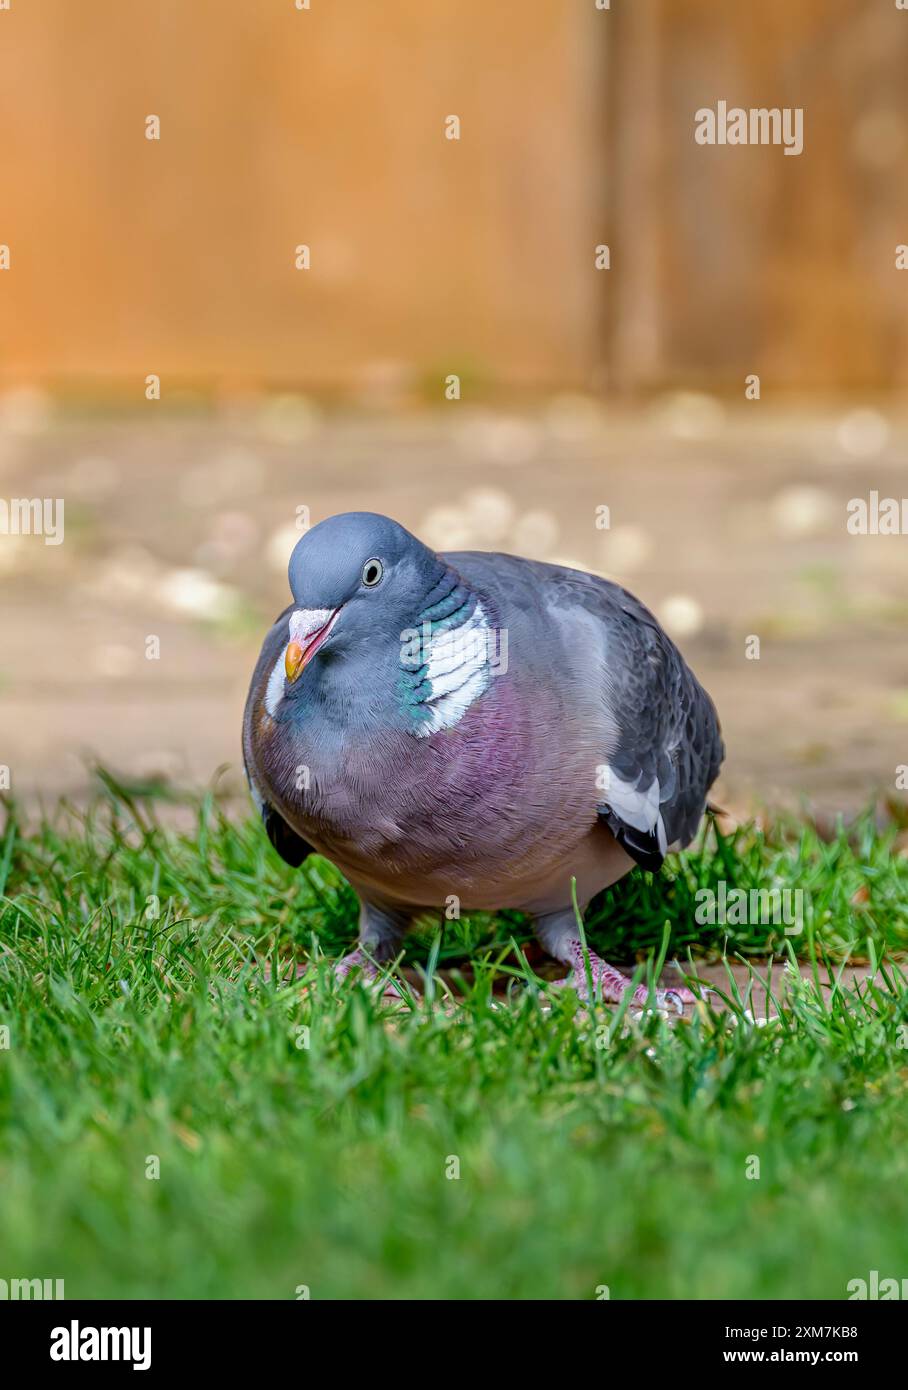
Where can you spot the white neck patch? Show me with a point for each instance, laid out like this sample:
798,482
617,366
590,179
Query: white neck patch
303,624
274,690
458,670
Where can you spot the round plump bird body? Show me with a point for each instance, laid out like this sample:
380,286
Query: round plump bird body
498,809
471,725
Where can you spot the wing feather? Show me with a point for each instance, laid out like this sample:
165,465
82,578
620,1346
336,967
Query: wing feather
668,748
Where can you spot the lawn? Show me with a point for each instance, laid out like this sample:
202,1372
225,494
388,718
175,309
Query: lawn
173,1123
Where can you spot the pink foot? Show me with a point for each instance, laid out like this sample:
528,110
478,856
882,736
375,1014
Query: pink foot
611,986
358,960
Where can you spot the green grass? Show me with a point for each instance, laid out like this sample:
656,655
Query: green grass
304,1134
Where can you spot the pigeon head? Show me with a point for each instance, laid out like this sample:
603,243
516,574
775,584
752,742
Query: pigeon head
356,579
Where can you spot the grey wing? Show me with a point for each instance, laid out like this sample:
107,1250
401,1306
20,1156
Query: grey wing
668,747
289,845
664,747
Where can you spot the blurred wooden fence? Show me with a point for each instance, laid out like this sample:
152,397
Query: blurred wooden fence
326,127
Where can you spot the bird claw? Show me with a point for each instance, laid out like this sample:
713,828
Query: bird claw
613,987
358,960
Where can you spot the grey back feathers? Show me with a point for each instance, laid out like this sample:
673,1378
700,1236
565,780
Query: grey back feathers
416,756
668,748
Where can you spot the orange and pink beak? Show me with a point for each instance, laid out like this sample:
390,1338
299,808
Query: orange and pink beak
308,629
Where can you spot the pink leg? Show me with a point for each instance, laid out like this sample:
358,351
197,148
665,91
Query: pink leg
557,932
611,986
359,961
356,961
380,935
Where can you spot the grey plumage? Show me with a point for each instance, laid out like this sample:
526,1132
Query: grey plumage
546,728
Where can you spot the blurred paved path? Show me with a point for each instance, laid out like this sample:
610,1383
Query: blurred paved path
729,525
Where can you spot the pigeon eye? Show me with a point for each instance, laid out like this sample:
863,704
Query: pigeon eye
372,573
